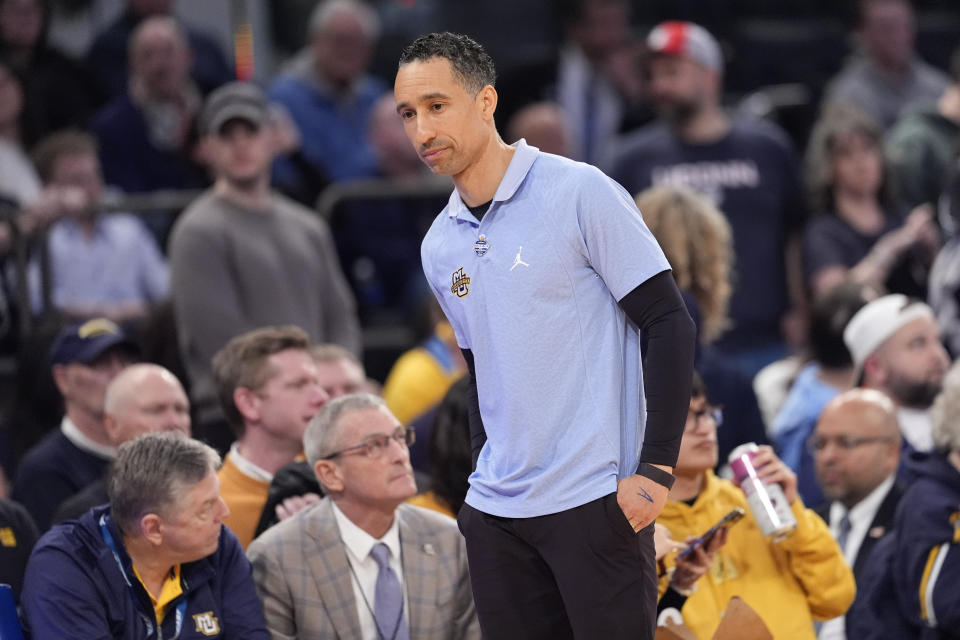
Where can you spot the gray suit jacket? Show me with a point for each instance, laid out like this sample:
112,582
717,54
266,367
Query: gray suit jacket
302,575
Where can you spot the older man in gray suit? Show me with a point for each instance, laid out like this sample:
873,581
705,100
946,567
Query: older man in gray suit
360,564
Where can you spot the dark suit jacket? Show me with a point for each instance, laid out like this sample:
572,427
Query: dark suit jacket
881,525
536,82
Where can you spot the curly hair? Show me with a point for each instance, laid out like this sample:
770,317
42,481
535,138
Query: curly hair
836,124
471,63
946,428
695,236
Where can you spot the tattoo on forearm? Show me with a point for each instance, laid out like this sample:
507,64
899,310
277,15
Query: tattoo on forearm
643,494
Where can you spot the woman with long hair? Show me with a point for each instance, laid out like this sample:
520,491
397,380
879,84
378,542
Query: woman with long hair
861,233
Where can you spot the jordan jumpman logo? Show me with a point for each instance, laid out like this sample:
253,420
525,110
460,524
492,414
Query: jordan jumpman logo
518,261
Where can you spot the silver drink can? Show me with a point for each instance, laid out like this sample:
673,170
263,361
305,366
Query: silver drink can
767,502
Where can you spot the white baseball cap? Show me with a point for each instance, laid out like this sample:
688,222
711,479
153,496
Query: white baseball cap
877,321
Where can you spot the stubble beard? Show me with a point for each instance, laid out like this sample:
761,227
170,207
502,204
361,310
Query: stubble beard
679,113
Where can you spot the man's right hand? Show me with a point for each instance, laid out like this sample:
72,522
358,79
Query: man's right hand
295,503
693,566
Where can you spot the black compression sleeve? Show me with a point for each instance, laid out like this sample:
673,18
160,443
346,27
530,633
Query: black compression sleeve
656,307
478,435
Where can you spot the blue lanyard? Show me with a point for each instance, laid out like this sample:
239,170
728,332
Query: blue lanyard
181,610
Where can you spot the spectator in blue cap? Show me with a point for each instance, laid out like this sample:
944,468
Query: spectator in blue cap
85,358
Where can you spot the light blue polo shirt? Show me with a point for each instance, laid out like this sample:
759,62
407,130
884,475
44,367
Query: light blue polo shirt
532,291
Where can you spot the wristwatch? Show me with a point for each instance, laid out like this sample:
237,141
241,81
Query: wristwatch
686,593
656,474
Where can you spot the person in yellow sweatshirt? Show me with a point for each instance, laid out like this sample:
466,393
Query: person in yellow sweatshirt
789,583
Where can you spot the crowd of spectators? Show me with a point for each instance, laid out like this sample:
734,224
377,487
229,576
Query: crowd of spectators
184,252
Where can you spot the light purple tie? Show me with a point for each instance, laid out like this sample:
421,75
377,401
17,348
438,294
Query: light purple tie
388,598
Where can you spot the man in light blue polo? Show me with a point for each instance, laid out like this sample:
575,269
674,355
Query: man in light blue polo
545,269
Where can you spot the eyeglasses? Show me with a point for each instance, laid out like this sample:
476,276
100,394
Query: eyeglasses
714,413
845,443
374,446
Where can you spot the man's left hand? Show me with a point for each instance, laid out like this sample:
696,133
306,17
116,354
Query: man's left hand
641,500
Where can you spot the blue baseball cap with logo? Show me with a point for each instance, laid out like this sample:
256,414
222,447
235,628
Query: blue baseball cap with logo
86,342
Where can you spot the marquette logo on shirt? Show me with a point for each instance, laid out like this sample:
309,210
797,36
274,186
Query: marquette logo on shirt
723,570
461,283
207,623
7,538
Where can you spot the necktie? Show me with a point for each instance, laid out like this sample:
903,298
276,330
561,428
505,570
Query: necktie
844,531
388,598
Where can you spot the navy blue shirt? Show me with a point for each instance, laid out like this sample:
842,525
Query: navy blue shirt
751,175
77,586
130,160
830,241
51,472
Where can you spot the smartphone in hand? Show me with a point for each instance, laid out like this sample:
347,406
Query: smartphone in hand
725,522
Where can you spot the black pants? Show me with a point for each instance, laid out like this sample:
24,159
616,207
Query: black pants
581,573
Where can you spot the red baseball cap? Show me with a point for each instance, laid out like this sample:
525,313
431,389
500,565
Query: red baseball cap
688,40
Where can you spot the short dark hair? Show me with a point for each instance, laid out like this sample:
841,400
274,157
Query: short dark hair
574,11
61,143
451,456
471,63
698,389
829,315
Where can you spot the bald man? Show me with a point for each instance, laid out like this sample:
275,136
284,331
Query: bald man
543,125
143,398
856,452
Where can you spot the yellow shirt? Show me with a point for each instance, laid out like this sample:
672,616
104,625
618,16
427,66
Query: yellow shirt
246,496
169,592
429,500
418,381
789,584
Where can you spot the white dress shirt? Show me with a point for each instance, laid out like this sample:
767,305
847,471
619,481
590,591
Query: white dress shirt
359,543
248,468
916,425
861,515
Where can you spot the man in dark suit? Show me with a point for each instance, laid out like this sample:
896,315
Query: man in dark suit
360,563
856,452
595,79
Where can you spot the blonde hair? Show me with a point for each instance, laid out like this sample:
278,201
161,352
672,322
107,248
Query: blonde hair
946,430
696,239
